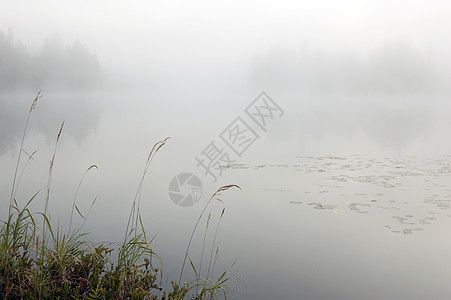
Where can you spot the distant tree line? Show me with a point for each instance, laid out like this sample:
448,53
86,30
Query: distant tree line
63,66
393,68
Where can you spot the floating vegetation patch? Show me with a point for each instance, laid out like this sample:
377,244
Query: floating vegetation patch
440,202
424,222
295,202
410,191
403,220
322,206
359,207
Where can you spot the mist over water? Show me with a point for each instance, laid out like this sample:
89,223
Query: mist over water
344,193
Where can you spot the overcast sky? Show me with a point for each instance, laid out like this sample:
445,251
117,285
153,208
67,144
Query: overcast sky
353,77
178,35
225,53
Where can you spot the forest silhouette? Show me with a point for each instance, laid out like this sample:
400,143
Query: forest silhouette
55,64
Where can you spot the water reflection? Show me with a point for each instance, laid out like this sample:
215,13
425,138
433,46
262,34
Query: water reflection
81,111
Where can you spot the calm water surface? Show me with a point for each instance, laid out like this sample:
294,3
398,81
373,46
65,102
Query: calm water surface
354,226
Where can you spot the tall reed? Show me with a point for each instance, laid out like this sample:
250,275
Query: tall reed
217,193
74,205
32,107
58,264
135,216
213,246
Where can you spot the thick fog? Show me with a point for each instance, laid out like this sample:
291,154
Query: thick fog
373,70
346,189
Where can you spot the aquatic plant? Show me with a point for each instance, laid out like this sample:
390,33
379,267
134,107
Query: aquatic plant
45,262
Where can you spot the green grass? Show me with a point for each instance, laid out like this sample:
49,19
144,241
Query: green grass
41,261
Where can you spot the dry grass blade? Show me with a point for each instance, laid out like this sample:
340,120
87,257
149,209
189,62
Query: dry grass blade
49,181
208,220
35,101
133,219
203,247
76,207
59,133
76,194
225,188
157,147
89,211
217,193
31,156
213,245
93,166
14,187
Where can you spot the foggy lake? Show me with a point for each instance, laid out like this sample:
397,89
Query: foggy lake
333,119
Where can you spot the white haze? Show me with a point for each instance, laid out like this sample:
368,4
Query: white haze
196,54
353,77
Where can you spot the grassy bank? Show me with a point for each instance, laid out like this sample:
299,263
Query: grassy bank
39,260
